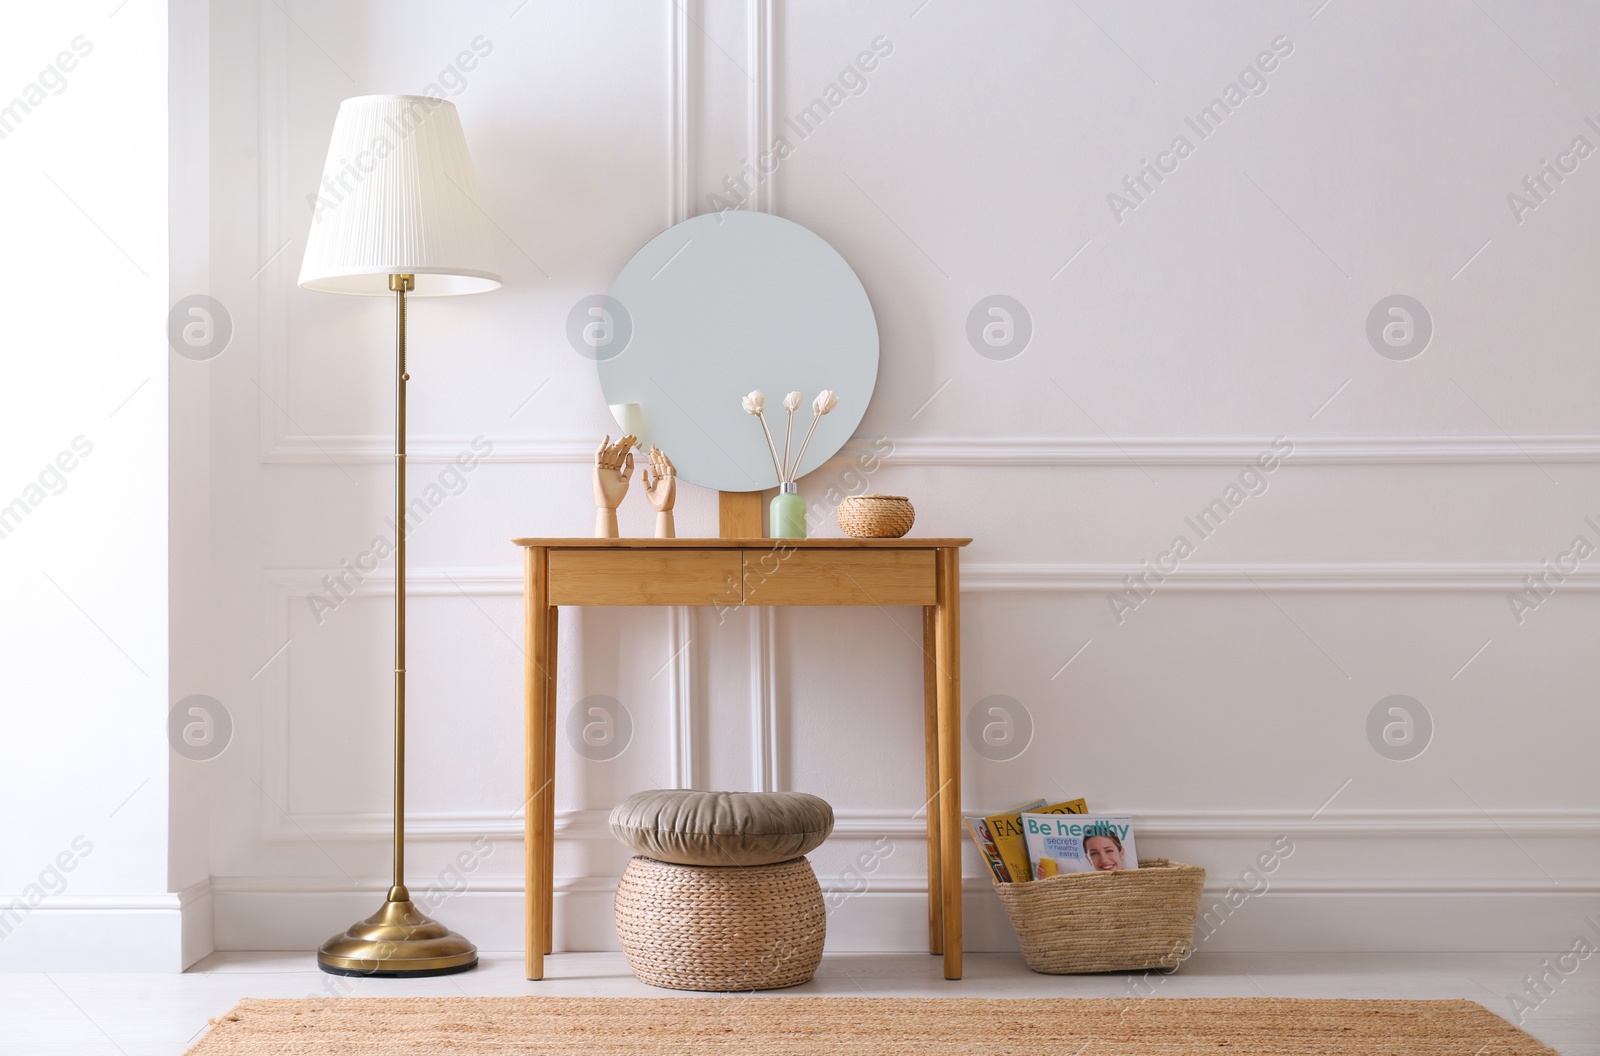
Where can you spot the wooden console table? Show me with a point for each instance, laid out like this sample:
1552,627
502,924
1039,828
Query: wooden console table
731,572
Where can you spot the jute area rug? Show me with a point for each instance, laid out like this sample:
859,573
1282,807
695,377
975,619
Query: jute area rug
823,1026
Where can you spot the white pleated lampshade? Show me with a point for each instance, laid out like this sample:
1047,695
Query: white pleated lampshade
398,196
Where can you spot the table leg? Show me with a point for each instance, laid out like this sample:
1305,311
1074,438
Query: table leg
536,720
947,658
550,783
930,802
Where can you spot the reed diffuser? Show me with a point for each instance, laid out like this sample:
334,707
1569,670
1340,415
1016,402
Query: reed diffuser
787,514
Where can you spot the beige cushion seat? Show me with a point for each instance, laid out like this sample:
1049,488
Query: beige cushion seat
685,827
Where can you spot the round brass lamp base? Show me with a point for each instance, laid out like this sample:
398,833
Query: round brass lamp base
397,941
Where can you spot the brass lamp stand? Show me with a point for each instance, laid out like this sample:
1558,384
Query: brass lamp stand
399,939
406,222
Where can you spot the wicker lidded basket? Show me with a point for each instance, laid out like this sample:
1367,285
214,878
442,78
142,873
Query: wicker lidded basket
1107,922
724,928
876,516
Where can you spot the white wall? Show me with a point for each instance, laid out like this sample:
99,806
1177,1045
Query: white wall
1171,343
193,609
84,849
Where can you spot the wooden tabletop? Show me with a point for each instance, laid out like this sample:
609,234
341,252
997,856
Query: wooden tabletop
646,543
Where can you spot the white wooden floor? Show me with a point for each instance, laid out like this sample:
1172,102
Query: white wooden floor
161,1015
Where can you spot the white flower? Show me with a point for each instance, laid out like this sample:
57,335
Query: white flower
754,402
792,401
825,402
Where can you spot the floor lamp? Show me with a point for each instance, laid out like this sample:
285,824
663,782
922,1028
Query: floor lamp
396,214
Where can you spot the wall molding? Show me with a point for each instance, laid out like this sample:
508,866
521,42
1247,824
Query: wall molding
285,587
764,703
682,759
1237,450
678,103
1422,824
1001,452
280,446
760,45
882,885
379,450
1330,577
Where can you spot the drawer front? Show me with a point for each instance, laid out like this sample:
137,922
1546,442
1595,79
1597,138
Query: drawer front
644,577
839,577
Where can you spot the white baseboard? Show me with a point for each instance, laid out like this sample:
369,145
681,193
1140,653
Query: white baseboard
199,914
110,933
891,916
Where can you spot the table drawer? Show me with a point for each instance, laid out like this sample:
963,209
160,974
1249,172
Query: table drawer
644,577
839,577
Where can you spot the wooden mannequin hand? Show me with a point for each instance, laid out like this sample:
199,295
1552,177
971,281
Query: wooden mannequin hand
613,468
661,487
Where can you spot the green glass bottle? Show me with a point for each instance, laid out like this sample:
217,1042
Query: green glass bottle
788,513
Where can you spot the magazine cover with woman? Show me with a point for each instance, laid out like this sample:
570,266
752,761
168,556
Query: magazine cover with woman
1079,843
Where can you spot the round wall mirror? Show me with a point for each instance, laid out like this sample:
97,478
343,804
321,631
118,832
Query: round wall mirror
720,305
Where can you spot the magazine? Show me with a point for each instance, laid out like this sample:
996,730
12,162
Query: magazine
1079,843
983,835
1006,832
986,848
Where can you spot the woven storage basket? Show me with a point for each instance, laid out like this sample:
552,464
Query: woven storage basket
1107,922
692,927
875,516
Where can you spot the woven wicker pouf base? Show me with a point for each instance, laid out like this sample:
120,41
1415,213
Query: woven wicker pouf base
690,927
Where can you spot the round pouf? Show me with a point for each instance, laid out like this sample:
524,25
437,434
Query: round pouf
696,927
